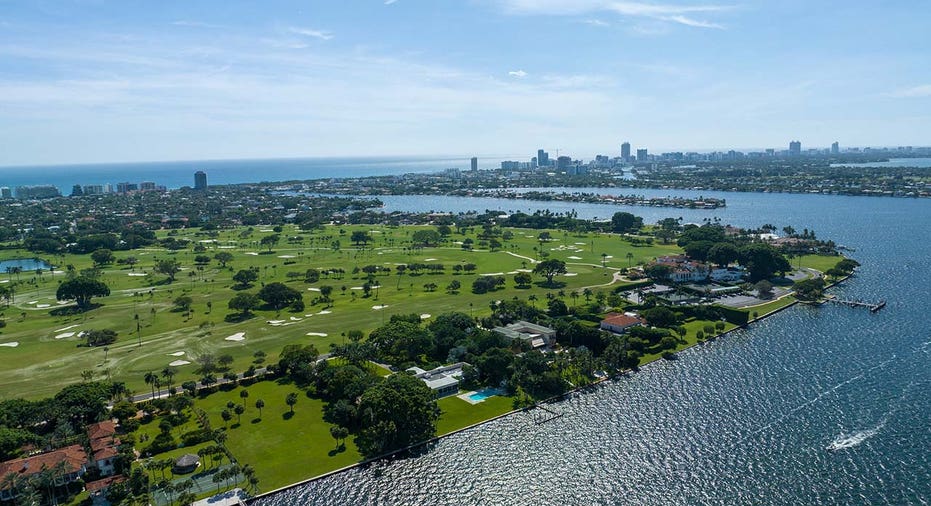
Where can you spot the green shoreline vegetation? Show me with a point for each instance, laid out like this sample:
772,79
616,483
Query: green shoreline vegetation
264,342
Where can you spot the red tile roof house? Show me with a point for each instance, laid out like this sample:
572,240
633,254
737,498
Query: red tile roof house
619,322
103,445
72,460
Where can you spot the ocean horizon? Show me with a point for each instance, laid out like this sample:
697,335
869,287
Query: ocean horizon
177,174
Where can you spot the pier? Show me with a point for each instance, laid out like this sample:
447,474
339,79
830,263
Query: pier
547,415
858,303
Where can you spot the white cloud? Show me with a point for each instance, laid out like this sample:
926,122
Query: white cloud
923,90
517,73
670,13
309,32
595,22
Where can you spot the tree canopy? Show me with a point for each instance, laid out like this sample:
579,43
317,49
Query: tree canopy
397,412
81,290
549,269
279,295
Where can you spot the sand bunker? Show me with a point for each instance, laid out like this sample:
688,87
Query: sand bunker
136,274
317,334
239,336
313,289
425,316
69,327
178,363
252,253
582,243
575,258
286,256
570,274
357,288
296,319
40,306
380,307
64,335
275,322
492,274
177,354
12,344
429,259
324,312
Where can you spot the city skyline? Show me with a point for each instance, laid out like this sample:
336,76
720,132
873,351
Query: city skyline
110,82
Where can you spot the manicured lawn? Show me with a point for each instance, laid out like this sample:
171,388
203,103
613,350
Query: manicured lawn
769,307
458,413
818,262
282,448
49,356
691,338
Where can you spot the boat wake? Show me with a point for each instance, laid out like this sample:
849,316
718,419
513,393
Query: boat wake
844,441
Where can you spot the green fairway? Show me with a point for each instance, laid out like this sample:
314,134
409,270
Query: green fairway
152,334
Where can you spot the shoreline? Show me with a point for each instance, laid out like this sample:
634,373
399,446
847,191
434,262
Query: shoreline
550,400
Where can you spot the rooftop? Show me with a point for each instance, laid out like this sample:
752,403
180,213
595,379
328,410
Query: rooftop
73,457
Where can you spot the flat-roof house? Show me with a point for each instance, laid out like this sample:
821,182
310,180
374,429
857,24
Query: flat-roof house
620,322
537,335
444,381
71,458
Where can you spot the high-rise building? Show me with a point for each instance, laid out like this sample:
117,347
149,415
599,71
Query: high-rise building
150,186
200,180
835,148
126,187
77,191
642,155
45,191
795,148
625,151
474,163
543,158
563,163
6,193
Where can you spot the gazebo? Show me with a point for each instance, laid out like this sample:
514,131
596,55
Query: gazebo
186,463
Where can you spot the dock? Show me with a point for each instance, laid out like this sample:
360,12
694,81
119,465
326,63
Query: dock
547,415
873,307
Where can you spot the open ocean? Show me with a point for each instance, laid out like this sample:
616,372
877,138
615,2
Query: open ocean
221,172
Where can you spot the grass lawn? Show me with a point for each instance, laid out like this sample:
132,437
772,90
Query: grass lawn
691,338
458,413
764,309
283,448
818,262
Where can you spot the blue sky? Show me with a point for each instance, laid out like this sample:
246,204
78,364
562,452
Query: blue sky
101,81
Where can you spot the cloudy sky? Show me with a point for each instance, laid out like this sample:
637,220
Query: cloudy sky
127,80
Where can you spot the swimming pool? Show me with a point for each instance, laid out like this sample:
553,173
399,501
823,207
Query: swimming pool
483,394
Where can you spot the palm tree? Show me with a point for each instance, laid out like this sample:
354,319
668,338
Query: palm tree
291,400
150,378
630,258
259,404
169,373
243,394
